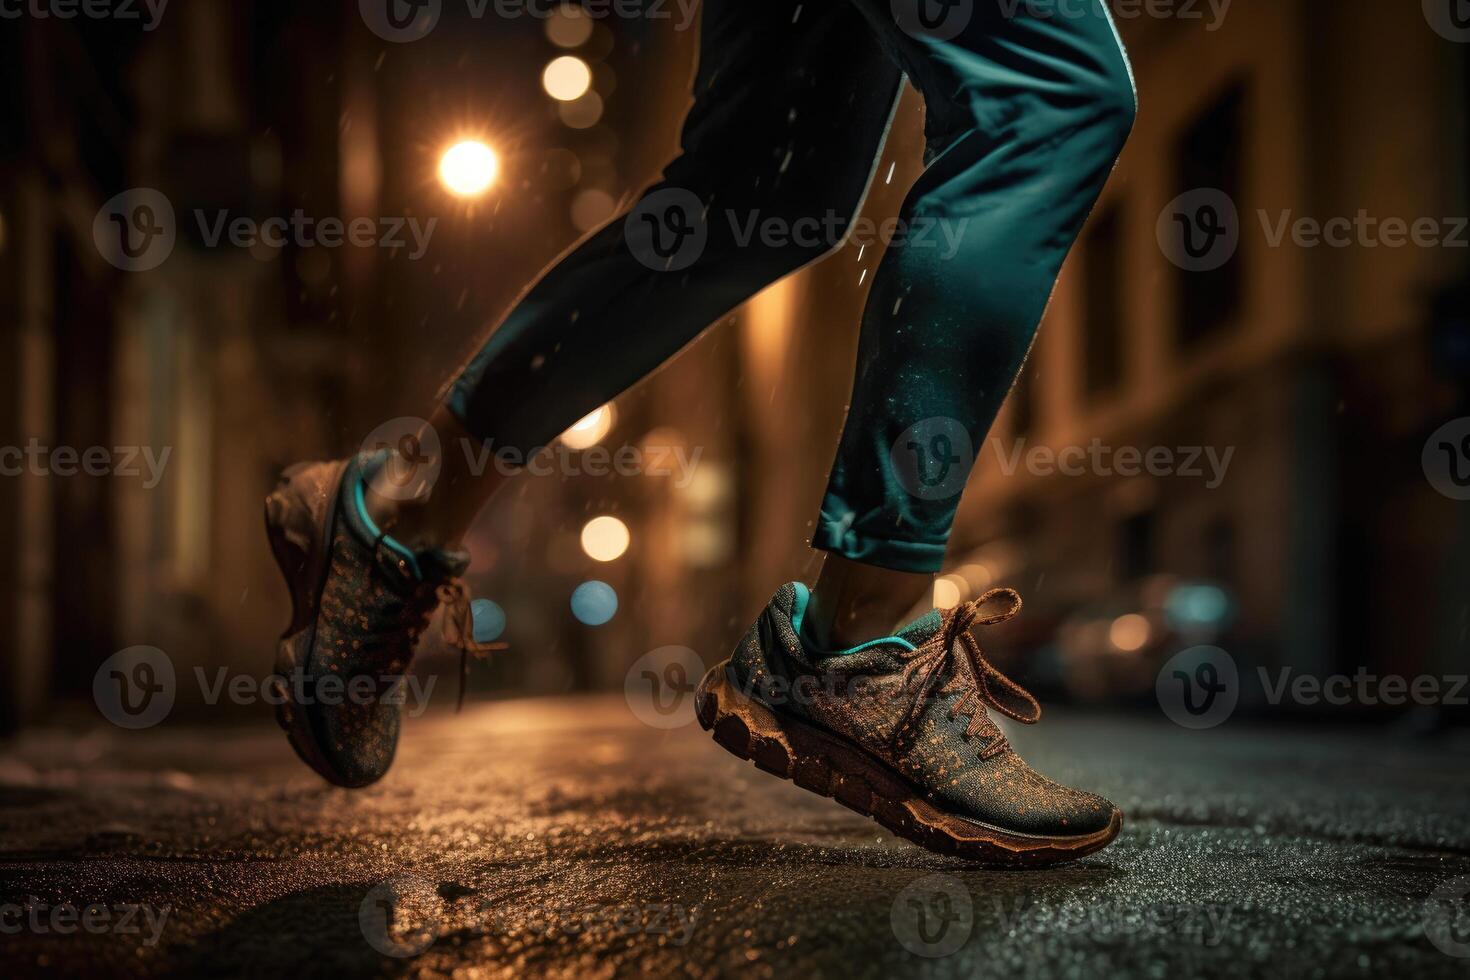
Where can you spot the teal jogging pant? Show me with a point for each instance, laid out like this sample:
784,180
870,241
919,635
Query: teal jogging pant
1027,106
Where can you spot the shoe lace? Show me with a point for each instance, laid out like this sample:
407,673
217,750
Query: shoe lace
970,675
458,629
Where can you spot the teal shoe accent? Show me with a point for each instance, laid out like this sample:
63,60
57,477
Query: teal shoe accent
798,608
374,534
923,627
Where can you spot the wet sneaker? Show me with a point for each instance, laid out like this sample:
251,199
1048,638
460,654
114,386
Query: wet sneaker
359,602
897,729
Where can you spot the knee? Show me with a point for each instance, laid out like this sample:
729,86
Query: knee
1112,103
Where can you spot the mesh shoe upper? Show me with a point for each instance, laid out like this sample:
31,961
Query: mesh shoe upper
918,703
374,606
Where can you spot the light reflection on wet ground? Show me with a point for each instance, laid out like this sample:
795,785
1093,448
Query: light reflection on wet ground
563,837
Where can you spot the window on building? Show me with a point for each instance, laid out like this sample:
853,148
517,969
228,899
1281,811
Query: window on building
1102,319
1210,155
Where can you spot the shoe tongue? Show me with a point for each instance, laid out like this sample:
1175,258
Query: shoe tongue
794,597
923,629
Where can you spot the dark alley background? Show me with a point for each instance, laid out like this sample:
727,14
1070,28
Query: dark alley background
1295,385
1231,485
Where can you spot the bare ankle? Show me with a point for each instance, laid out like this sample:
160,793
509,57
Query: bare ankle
852,602
430,501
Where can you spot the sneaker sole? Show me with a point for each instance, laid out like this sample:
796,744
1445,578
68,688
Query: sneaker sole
828,766
299,515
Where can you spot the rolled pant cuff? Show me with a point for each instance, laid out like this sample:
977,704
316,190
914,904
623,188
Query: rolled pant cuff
901,556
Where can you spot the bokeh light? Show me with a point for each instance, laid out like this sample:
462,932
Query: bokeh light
567,78
569,28
978,577
489,620
591,429
1129,633
605,538
592,208
584,113
594,603
1195,606
468,168
947,592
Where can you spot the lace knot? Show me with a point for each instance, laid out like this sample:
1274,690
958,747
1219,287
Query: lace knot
971,675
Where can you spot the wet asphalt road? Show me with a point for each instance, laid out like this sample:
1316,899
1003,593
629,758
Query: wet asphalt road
565,837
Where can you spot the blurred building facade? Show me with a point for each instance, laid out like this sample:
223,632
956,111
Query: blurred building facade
1312,374
1315,368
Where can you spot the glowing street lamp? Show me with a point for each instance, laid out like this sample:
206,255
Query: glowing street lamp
468,168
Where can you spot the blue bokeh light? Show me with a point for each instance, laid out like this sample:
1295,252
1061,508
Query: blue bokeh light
489,620
594,603
1197,605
